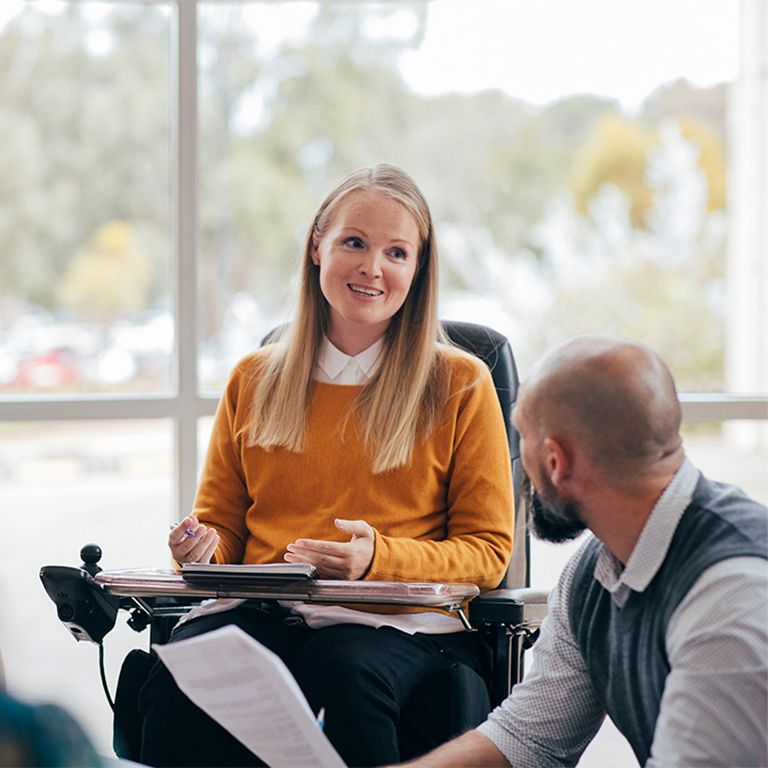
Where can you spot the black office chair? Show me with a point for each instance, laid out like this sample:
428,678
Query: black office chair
456,698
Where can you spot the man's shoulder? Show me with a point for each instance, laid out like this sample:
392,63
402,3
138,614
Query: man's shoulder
721,523
718,496
726,510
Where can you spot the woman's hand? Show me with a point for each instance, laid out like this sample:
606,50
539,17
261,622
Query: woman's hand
191,542
340,560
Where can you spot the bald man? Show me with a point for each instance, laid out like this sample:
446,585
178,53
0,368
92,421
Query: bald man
660,619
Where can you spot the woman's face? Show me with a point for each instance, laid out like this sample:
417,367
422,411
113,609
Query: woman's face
367,259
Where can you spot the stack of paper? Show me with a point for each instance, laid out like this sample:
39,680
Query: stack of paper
250,692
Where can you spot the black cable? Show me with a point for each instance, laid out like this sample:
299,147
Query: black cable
104,677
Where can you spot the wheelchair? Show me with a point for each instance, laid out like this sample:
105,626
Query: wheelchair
89,599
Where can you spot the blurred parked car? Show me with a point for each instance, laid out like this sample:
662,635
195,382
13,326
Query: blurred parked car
51,369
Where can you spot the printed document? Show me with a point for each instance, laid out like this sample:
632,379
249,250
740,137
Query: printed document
249,691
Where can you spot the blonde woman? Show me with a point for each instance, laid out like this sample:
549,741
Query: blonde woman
363,443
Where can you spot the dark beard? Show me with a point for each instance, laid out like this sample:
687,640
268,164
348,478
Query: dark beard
551,519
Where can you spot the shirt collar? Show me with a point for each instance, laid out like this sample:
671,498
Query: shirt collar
333,361
652,545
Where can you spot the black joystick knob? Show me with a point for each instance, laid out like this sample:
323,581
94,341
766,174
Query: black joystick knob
91,554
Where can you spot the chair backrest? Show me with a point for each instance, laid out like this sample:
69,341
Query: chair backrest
495,351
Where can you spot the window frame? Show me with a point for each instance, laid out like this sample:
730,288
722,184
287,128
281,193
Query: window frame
185,405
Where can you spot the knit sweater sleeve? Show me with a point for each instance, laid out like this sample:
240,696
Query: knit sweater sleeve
222,493
477,540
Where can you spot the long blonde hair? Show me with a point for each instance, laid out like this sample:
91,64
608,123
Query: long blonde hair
410,388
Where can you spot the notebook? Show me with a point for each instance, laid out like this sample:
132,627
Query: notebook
266,573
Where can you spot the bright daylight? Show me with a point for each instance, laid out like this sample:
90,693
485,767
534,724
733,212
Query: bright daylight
590,167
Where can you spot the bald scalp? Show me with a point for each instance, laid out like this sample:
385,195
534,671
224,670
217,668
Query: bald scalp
612,398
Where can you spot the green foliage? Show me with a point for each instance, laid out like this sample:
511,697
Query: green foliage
711,158
85,135
615,152
108,277
83,141
662,307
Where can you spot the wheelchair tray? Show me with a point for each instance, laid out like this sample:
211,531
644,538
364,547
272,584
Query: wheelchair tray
154,583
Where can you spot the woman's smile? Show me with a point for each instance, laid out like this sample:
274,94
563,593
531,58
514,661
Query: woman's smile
367,259
365,291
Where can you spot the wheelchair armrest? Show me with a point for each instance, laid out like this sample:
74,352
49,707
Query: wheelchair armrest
89,612
511,619
522,607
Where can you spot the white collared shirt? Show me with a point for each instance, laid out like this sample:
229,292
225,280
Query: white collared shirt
716,644
336,367
653,543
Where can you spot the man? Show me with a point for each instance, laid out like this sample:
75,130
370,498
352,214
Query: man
660,620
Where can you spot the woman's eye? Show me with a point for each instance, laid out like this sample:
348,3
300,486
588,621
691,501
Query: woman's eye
399,253
354,242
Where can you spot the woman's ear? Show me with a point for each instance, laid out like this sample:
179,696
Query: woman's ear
314,254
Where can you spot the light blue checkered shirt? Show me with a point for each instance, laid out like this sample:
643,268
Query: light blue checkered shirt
714,710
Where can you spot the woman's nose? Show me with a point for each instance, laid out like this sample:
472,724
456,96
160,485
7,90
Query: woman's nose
370,264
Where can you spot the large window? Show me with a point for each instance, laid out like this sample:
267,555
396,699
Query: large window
570,194
591,166
86,199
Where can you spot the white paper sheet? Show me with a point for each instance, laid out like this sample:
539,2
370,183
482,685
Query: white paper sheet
250,692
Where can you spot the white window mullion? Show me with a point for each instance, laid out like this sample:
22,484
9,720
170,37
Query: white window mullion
714,407
185,262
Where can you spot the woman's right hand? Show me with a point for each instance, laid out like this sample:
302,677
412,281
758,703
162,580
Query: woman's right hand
191,542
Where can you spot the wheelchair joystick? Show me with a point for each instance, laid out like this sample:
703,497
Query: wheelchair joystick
82,605
91,554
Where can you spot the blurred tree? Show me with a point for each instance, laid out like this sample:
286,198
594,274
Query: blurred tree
681,100
664,307
109,277
279,130
661,283
527,167
711,146
83,138
614,153
700,112
292,98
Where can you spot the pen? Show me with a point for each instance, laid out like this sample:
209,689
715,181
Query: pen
321,718
188,532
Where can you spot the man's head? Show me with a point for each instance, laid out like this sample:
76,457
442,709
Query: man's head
595,411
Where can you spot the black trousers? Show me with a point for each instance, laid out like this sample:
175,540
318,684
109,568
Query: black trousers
362,676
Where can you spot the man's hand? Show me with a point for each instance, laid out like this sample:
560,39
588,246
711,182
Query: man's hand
339,560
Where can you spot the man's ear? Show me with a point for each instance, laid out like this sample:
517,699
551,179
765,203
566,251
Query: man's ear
558,460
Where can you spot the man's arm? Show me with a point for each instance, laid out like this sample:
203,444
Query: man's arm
550,717
714,710
469,749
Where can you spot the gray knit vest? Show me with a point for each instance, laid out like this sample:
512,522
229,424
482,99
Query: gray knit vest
624,647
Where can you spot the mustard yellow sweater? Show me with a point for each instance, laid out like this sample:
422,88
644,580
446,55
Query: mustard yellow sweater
448,516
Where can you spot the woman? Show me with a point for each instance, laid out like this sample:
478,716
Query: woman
363,443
